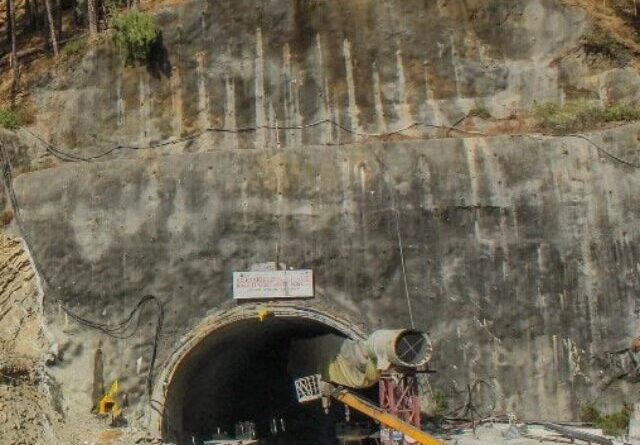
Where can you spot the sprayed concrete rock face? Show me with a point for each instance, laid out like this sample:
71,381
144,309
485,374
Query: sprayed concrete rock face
368,66
520,251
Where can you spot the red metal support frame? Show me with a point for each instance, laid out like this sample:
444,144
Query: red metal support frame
399,397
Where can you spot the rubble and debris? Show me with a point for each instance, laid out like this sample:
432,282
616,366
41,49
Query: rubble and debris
28,414
492,433
580,435
512,433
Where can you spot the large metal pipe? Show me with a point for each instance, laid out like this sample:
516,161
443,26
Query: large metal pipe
358,363
404,348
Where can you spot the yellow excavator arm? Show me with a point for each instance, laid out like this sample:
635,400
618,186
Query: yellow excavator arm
368,409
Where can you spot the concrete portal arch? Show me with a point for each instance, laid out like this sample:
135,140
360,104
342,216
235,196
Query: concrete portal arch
225,320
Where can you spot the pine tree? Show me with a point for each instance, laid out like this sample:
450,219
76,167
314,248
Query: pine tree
28,14
11,7
93,20
11,27
8,23
59,18
34,11
52,27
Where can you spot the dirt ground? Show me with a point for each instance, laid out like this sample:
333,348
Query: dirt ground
502,433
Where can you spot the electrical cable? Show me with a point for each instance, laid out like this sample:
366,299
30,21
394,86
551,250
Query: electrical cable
471,407
118,330
396,214
605,152
404,271
591,142
66,156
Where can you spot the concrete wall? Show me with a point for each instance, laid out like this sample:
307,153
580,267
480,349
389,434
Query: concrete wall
521,252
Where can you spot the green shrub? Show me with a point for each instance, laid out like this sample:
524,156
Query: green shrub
572,116
581,115
589,413
545,110
600,42
440,404
614,424
10,119
135,34
113,6
480,111
622,112
75,46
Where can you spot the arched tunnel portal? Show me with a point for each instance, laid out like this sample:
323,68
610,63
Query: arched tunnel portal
240,366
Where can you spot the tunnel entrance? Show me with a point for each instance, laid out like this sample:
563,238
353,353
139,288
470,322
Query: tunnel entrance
244,372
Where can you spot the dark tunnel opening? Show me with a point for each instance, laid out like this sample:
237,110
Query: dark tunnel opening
245,372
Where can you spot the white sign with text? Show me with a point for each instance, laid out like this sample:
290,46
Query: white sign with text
273,284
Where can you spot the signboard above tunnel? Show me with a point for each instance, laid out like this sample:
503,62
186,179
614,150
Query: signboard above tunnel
273,284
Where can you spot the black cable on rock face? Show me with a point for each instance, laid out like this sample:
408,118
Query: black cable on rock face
66,156
117,330
605,152
598,147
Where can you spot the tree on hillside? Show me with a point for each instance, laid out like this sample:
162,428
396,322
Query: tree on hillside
8,23
52,27
11,7
93,19
28,14
59,18
32,10
41,19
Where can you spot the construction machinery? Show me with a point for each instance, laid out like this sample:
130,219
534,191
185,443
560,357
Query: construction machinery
391,358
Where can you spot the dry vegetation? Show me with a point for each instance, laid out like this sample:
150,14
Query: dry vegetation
617,19
124,22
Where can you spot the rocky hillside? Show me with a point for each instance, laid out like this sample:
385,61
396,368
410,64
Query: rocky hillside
27,415
323,73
